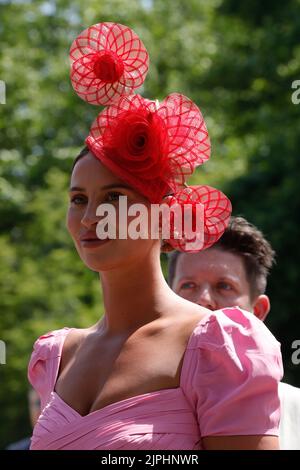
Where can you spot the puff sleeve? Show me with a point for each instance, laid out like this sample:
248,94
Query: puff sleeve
231,378
44,362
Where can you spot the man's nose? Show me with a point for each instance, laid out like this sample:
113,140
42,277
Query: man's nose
205,298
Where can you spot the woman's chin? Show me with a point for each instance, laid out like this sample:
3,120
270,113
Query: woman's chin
114,254
104,257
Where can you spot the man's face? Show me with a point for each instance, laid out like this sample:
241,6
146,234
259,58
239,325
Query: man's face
213,278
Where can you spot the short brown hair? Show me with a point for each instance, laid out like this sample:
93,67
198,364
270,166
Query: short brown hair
245,240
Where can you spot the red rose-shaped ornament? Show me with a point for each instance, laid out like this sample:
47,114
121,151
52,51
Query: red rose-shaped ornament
152,146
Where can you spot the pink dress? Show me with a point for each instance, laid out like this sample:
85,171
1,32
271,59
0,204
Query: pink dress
228,386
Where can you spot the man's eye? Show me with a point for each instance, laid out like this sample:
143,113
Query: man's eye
78,200
188,285
224,286
113,196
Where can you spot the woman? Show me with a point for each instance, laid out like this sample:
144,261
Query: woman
156,371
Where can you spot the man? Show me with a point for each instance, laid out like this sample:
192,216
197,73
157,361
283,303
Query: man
233,272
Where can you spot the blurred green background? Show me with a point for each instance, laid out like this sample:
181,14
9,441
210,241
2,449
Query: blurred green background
236,60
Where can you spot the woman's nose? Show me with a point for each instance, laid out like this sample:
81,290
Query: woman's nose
89,217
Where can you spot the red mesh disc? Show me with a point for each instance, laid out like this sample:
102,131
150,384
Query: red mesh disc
216,214
107,60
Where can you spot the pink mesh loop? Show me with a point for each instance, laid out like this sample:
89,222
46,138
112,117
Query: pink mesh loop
108,60
217,211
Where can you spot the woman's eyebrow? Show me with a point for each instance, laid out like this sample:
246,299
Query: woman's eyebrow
108,186
114,185
76,188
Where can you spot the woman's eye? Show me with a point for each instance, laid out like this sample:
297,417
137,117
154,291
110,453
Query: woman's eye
113,196
78,200
188,285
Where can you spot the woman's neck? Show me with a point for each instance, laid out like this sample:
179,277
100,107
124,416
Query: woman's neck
134,295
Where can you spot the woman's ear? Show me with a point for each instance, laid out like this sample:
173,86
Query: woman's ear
165,247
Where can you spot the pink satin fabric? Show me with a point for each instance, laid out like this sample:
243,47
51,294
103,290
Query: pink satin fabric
228,386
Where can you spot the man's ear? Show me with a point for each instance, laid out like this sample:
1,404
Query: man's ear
261,307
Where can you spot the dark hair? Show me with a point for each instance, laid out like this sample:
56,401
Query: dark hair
245,240
81,154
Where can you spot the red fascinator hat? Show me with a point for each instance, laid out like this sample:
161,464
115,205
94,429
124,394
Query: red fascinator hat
152,146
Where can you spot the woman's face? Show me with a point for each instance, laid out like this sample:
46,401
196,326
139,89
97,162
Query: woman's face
92,184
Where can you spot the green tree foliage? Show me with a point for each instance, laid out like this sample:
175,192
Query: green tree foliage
259,59
237,60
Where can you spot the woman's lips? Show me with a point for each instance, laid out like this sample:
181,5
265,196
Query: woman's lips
93,242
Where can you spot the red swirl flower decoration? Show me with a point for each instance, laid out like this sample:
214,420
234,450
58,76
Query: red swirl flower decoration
151,146
214,212
107,60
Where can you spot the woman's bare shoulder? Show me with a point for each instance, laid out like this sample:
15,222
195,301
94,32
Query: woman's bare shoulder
73,340
188,315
